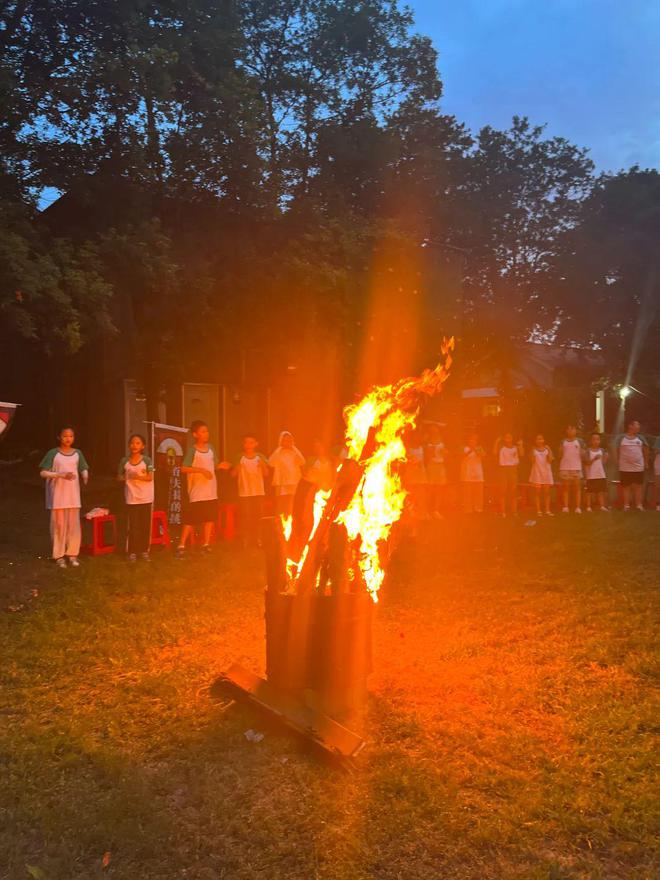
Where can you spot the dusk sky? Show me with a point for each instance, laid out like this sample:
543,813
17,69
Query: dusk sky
587,68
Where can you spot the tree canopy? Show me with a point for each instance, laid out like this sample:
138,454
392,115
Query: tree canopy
280,160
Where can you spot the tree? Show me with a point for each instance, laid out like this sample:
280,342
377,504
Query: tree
520,195
609,279
52,292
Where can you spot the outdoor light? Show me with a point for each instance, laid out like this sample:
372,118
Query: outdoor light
625,391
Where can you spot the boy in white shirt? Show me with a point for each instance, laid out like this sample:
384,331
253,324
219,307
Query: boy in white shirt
571,450
136,472
251,472
633,459
509,455
472,475
595,459
63,467
435,456
287,462
200,464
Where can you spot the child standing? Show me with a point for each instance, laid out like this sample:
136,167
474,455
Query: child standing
472,475
287,463
136,472
541,474
200,464
570,468
414,475
251,472
435,454
63,467
595,458
508,455
633,456
319,475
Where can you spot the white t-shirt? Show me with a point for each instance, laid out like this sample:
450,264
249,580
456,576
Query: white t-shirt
472,469
593,468
436,454
137,491
509,456
541,474
200,488
62,493
631,454
415,469
250,476
322,472
571,455
287,468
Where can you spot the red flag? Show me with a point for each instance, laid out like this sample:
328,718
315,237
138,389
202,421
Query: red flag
7,413
170,444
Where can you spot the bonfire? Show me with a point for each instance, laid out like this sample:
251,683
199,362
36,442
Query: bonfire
369,496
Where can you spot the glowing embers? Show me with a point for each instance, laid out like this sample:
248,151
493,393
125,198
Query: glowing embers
352,523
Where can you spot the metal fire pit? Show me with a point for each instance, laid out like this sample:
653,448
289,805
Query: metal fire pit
318,649
318,658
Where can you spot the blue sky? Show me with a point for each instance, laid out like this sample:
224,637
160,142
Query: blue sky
590,69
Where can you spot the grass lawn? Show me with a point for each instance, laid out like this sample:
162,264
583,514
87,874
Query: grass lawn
511,719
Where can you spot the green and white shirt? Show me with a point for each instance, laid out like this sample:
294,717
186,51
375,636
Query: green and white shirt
62,493
249,472
200,488
137,491
570,454
630,453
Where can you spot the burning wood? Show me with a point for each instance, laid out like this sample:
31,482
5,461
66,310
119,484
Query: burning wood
369,497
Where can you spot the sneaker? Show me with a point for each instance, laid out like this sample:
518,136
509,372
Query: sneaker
539,513
73,561
206,548
145,557
61,562
626,508
180,553
578,510
549,513
639,507
565,510
605,510
132,557
588,510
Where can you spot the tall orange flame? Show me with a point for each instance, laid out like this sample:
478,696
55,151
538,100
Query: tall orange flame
383,414
375,428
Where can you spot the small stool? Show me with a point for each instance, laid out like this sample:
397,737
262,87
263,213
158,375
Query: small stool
98,547
159,531
196,538
227,521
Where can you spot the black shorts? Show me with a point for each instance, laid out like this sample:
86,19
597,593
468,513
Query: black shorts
631,478
599,485
198,512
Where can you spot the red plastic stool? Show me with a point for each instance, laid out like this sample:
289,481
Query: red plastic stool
159,531
227,522
195,539
98,547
